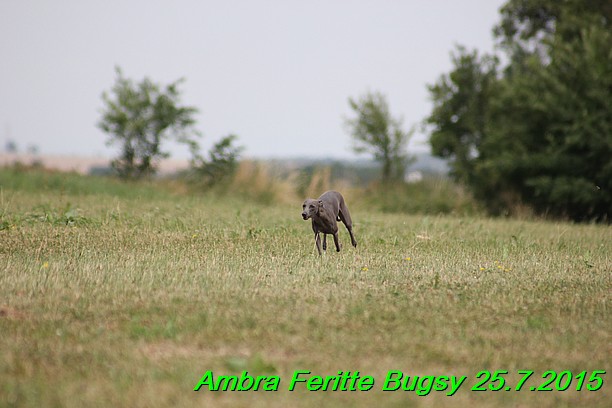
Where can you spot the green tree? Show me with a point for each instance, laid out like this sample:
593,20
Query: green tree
375,131
559,117
221,164
545,131
527,26
459,120
138,117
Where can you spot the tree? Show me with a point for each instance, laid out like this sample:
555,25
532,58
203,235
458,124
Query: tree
139,116
221,163
460,116
541,133
374,131
11,147
559,117
526,26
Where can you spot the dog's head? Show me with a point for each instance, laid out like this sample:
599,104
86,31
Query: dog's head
311,208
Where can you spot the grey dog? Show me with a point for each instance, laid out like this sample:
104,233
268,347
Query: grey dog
325,212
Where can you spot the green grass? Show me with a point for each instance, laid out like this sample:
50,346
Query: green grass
115,296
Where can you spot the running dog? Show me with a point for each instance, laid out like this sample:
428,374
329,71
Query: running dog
325,212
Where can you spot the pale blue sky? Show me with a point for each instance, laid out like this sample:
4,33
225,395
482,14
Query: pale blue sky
276,73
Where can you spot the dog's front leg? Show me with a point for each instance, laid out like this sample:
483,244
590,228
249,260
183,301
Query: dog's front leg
336,242
325,242
318,242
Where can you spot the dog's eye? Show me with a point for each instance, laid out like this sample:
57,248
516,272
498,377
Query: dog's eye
312,206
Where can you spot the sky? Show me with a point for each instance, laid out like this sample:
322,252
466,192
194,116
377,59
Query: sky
277,73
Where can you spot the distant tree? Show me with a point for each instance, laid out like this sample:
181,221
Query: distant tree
538,131
11,146
138,117
375,131
221,163
33,149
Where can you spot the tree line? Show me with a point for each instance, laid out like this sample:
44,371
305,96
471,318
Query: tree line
534,130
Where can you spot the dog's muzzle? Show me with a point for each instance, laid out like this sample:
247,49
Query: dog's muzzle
304,216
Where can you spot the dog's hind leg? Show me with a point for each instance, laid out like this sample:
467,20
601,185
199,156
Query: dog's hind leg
325,242
345,217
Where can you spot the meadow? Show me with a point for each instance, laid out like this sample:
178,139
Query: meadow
125,295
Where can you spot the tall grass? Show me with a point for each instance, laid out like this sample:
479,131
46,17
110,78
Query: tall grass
130,304
433,195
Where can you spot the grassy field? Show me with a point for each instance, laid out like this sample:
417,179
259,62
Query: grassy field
126,295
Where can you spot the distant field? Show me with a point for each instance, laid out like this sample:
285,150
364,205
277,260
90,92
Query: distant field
80,164
126,295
